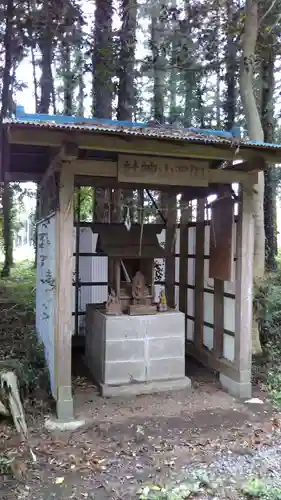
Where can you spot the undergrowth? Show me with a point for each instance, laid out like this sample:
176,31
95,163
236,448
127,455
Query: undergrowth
256,488
20,349
267,306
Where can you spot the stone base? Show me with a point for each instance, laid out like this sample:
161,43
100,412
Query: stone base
135,389
59,425
145,350
241,390
64,404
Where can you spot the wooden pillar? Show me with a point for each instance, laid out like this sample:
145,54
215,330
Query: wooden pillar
240,383
185,216
64,293
116,205
170,241
218,317
199,275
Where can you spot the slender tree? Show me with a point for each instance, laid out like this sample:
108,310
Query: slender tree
102,60
46,48
267,115
231,64
7,197
158,62
126,89
255,132
126,70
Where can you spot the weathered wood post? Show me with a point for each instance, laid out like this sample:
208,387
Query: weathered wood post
240,382
64,291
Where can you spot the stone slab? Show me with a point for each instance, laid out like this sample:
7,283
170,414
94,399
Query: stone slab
123,372
156,386
60,425
127,350
166,368
166,347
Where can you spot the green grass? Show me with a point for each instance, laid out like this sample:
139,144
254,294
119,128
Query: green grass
256,488
19,288
19,346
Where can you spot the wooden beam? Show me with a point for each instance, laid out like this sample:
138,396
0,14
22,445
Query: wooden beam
54,167
218,318
87,180
139,145
183,269
22,177
232,176
98,168
68,152
256,163
170,241
64,297
199,275
105,168
244,295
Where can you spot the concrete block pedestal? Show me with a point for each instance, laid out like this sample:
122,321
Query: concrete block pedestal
136,354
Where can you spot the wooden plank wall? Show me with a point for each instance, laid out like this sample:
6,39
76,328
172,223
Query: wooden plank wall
210,304
46,291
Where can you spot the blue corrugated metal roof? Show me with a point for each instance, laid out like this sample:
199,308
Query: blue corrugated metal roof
148,130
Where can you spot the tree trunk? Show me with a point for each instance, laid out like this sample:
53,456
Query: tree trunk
35,83
126,94
231,66
188,76
7,202
67,80
45,44
159,66
255,133
81,84
267,113
7,198
32,53
200,105
173,80
217,43
103,60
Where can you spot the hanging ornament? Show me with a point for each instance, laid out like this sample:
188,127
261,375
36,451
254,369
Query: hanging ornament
128,222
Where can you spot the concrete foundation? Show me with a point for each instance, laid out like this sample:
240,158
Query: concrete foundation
109,391
241,390
64,404
136,354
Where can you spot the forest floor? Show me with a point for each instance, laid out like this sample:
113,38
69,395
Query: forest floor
199,442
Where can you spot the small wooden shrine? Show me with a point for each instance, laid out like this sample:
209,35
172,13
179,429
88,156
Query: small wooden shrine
214,320
131,253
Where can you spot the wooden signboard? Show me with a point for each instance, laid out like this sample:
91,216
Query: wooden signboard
164,171
221,239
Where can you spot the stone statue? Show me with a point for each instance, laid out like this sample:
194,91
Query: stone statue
139,290
113,305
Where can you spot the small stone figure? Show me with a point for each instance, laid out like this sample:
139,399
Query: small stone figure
162,307
113,305
138,287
